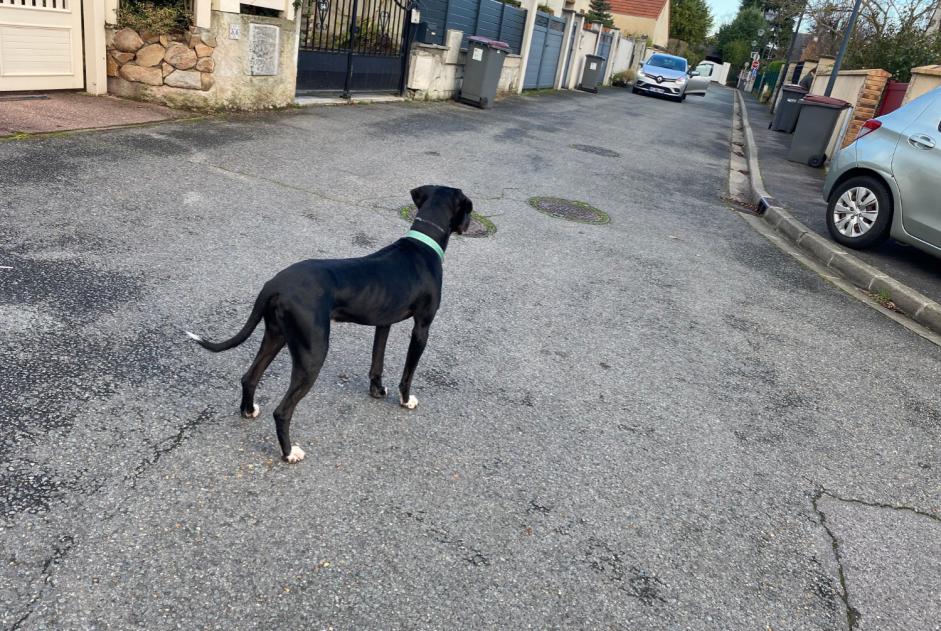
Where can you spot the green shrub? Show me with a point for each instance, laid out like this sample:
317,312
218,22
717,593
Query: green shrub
545,8
513,3
153,16
623,79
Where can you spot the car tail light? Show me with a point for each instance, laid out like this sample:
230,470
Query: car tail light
868,127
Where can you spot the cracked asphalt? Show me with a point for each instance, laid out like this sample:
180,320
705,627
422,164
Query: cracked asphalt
661,422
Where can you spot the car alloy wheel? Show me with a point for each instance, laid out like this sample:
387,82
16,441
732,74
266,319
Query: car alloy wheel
855,212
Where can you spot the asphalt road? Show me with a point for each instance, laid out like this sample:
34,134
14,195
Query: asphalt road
658,423
799,188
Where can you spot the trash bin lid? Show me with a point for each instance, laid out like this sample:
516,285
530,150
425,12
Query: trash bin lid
826,101
793,87
488,42
595,57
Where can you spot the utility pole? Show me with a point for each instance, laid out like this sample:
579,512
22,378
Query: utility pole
846,41
787,58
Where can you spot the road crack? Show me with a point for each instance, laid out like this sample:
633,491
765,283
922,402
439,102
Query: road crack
59,551
852,614
169,444
896,507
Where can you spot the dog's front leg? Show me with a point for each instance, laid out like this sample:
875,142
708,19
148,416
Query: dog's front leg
376,389
415,348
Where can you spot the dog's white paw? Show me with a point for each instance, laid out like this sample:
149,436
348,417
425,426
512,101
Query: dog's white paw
254,413
411,404
297,454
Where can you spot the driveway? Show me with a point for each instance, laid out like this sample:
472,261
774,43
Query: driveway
658,423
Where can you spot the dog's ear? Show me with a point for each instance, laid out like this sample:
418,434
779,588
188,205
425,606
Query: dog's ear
421,194
462,217
464,204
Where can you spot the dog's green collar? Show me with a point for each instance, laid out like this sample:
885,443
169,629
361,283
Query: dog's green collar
424,238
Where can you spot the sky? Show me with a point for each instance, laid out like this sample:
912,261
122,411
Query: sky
722,11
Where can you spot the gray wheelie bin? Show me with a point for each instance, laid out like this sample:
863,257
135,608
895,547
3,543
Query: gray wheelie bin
591,73
815,124
482,67
785,116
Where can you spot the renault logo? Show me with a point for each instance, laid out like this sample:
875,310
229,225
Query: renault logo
659,79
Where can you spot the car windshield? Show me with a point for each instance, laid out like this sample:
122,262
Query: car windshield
670,63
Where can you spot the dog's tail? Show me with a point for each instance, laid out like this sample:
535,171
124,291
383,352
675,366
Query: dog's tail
257,312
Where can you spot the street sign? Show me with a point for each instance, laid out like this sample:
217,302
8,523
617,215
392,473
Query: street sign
754,64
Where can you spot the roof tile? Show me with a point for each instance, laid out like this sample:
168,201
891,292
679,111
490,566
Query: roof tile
640,8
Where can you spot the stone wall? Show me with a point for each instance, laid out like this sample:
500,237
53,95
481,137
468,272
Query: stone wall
436,72
183,61
242,62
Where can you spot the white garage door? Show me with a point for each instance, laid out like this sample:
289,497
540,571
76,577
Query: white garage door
40,45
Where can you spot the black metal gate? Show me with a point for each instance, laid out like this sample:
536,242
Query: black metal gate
353,45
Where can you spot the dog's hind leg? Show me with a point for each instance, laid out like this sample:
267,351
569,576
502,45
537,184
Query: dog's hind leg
376,389
308,352
271,345
415,349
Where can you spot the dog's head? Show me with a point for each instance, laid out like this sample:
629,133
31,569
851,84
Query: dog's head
446,207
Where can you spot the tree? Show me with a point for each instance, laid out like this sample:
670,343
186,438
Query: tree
890,34
690,21
599,11
734,39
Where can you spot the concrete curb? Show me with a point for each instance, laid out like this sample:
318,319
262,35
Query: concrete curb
914,304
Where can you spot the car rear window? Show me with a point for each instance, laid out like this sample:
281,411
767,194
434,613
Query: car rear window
670,63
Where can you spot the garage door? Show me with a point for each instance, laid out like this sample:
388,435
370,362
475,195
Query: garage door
41,45
544,52
604,50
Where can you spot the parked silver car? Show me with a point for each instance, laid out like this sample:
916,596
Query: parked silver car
670,76
888,181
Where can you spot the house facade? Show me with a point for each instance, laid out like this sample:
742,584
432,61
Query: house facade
643,17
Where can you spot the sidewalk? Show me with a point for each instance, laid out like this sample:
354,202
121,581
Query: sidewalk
65,111
799,188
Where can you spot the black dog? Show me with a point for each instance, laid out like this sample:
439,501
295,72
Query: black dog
400,281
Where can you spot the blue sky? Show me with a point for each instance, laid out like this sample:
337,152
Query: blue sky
722,11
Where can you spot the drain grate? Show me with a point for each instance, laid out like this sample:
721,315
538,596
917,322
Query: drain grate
479,227
598,151
569,209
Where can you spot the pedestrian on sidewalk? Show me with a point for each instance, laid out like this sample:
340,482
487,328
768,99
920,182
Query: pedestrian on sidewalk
808,79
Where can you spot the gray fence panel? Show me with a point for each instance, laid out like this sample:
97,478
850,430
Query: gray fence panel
531,80
488,18
604,50
551,53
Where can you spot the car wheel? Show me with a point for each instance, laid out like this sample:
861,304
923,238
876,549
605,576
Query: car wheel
682,98
634,90
859,212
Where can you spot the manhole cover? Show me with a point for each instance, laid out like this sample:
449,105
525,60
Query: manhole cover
569,209
480,226
598,151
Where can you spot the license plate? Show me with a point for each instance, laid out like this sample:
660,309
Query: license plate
660,90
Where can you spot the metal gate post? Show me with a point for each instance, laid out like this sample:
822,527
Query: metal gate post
349,56
407,44
502,12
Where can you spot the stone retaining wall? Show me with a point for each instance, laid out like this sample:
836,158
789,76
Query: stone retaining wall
181,61
244,62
